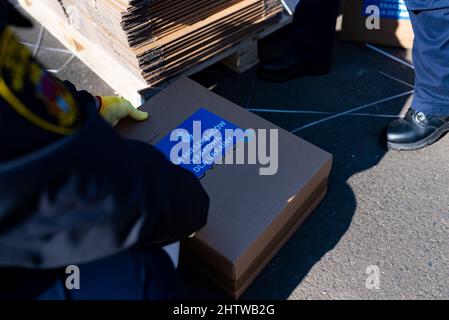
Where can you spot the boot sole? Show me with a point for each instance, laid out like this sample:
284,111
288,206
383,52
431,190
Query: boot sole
431,139
296,74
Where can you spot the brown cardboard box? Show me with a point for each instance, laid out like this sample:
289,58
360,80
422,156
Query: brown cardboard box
395,27
251,216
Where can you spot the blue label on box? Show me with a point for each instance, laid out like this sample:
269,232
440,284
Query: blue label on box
200,132
389,9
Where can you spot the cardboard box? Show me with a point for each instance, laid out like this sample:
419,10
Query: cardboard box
395,26
251,216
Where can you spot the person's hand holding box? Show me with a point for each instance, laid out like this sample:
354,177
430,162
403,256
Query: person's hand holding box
113,109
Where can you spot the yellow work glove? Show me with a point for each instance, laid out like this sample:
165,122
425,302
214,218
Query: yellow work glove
113,109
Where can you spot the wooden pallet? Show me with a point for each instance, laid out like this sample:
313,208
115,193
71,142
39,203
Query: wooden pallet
239,58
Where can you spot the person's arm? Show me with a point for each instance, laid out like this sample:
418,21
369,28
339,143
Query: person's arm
173,193
71,189
94,195
179,194
111,108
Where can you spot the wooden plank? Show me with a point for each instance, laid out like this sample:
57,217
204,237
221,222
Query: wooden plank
126,83
245,58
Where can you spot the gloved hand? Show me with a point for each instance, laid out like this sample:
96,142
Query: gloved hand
113,109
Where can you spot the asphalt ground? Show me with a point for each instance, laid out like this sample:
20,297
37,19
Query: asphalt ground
384,208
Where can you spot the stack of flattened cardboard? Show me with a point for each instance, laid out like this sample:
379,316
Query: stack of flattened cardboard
159,39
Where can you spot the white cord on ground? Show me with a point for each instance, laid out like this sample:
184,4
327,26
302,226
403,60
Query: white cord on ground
353,110
386,75
311,112
32,46
63,66
38,42
382,52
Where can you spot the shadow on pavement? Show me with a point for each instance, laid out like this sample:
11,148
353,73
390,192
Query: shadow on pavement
355,142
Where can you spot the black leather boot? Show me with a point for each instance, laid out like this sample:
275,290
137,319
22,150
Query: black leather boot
289,67
416,130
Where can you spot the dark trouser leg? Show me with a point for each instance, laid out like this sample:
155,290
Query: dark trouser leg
314,30
431,60
137,274
312,43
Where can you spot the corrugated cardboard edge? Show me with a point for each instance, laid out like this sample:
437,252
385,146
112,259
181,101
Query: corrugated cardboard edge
245,263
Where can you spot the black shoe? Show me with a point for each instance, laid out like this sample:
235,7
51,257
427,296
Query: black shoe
416,130
289,67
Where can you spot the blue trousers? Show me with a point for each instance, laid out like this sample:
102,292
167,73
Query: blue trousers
132,275
431,56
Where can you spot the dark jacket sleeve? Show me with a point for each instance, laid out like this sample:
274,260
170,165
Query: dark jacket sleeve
82,97
174,203
92,195
182,203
